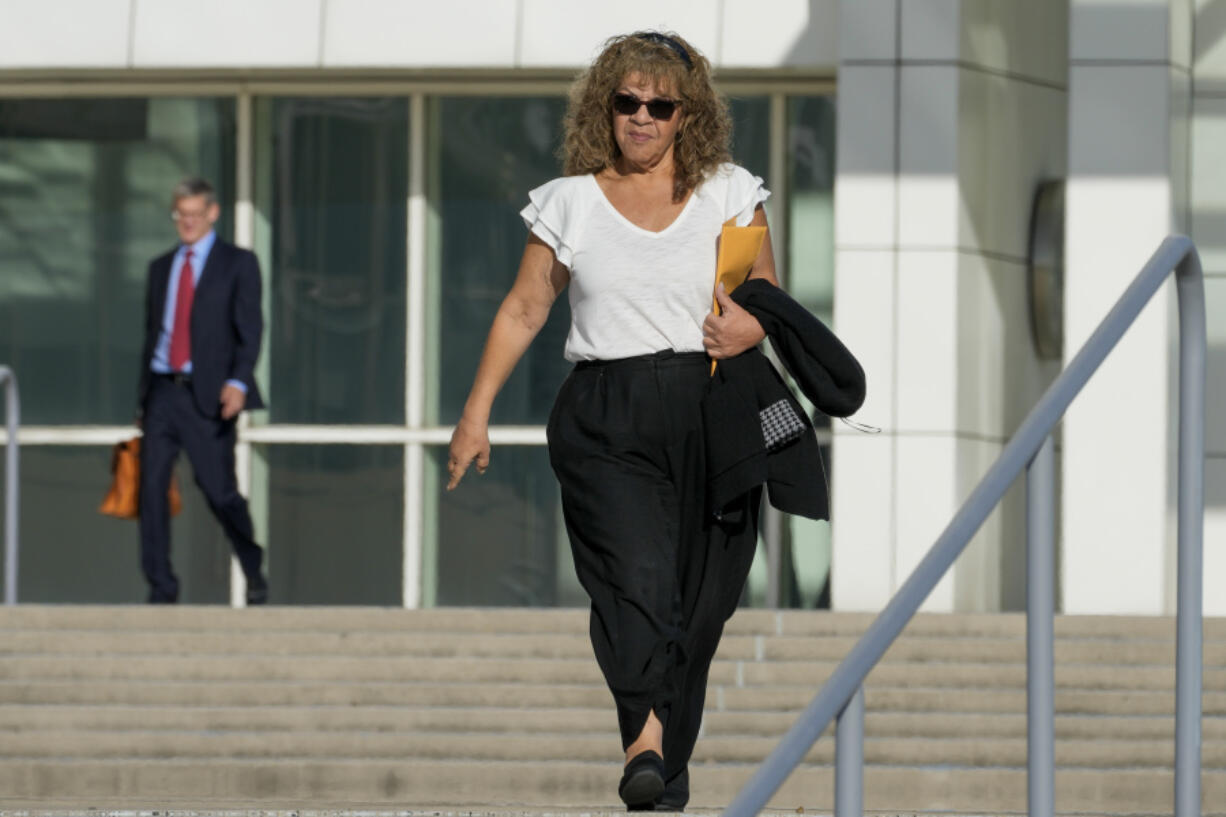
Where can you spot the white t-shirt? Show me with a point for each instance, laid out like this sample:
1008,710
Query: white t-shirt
633,291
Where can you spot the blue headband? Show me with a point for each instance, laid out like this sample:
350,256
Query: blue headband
654,37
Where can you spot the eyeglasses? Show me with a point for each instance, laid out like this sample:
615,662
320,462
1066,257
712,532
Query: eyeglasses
187,215
658,108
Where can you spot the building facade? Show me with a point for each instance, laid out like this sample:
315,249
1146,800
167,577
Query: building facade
375,154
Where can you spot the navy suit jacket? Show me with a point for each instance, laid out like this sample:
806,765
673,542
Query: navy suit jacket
226,325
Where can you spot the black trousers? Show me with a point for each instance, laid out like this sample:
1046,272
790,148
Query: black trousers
172,422
625,442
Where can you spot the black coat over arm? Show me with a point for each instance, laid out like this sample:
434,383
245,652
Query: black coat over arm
825,372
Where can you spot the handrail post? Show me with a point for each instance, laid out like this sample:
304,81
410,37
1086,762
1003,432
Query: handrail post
1040,636
849,758
1188,625
12,419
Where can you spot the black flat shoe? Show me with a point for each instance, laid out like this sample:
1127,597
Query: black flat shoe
257,591
676,792
642,782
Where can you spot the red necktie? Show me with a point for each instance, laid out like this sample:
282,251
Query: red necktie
181,335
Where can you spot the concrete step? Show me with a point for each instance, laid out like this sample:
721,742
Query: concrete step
1077,702
510,722
300,693
540,746
110,618
576,646
565,784
565,696
281,707
959,675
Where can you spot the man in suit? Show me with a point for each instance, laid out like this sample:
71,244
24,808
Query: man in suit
202,337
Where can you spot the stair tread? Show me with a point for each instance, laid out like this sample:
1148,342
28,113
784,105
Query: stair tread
385,706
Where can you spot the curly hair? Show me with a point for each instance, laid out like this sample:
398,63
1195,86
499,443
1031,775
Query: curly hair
706,127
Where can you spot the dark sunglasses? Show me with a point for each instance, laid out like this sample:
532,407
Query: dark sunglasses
629,104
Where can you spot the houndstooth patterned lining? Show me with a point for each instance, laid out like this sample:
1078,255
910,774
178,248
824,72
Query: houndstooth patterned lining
780,424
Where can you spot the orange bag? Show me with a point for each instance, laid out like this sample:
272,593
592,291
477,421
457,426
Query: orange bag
123,499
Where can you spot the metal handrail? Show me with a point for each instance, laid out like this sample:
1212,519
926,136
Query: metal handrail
1030,448
12,419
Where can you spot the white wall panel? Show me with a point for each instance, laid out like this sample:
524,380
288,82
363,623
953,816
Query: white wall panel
928,157
862,520
1181,27
1215,386
226,33
868,30
1120,30
779,33
935,476
64,33
965,358
396,33
1209,43
1109,101
864,320
1116,432
928,341
999,378
866,197
1011,135
1208,182
977,572
565,33
927,494
1215,535
1208,230
930,29
1027,39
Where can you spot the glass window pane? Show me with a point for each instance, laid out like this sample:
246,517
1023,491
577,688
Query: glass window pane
84,206
71,553
751,120
498,539
335,519
811,141
332,195
811,203
485,155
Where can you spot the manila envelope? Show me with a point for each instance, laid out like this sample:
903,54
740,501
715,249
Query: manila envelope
738,249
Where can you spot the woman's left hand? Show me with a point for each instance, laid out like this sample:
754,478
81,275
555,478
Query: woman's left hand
732,331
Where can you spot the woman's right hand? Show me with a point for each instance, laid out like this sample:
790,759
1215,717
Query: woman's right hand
469,442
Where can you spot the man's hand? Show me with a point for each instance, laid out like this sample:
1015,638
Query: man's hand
732,331
469,442
232,401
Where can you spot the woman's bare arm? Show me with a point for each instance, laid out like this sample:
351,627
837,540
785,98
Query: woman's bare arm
520,317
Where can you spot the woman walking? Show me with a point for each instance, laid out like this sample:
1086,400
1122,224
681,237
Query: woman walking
632,230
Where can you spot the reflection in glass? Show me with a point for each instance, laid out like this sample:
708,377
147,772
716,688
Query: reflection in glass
332,201
71,553
811,203
751,133
485,155
498,539
84,202
335,522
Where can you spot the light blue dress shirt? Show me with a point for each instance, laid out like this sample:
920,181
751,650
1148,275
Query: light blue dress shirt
200,256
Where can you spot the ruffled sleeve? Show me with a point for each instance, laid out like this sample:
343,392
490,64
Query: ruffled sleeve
554,215
744,192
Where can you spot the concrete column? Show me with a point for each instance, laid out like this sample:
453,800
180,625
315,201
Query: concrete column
950,114
1129,86
1207,227
863,535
